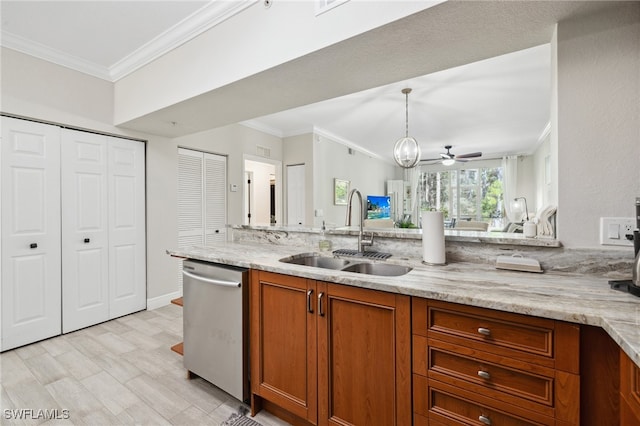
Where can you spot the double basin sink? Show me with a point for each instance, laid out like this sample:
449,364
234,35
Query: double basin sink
317,261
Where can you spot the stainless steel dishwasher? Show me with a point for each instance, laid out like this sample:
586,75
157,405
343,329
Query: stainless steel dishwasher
216,325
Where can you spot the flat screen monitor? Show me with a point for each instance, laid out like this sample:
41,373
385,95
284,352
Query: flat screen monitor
378,207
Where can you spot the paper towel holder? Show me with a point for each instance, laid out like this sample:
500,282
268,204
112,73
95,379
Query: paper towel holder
434,264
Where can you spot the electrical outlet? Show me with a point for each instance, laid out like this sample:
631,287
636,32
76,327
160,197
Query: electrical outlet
617,231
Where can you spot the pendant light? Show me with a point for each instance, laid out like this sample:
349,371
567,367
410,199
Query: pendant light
406,152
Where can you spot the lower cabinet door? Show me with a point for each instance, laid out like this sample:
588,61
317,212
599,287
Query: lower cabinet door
629,391
364,357
283,336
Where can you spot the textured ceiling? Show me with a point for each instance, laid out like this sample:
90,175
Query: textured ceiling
479,72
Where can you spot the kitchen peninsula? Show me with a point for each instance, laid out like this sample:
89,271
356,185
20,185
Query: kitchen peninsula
573,305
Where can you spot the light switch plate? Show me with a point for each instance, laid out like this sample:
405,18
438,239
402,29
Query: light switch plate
614,231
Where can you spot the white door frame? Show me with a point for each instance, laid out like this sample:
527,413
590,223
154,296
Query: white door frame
278,167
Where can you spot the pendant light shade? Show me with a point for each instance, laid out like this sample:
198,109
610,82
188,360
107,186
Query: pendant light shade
406,151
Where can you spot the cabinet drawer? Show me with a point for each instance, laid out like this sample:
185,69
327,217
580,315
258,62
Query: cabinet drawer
454,406
493,378
492,329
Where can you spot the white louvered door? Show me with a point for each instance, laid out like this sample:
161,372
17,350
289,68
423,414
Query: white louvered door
190,188
202,200
30,225
85,233
215,199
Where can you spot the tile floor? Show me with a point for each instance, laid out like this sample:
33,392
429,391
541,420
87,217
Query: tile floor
121,372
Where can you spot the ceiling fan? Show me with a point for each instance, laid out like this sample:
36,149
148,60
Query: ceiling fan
447,158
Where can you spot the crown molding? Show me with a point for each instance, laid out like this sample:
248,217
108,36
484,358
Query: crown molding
261,127
545,133
38,50
190,27
321,132
195,24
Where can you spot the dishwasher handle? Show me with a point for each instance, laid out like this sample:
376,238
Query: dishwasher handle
211,280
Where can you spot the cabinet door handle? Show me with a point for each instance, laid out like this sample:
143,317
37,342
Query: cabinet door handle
484,374
309,304
87,240
33,245
484,419
484,331
320,310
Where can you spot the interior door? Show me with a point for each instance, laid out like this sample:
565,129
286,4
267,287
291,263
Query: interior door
215,199
127,251
30,232
295,194
85,238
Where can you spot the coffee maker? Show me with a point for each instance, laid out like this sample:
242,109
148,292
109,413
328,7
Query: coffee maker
632,286
636,246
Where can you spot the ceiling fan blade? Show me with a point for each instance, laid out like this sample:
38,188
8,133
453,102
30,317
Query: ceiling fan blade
470,155
430,159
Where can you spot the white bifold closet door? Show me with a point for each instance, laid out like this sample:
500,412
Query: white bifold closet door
103,245
85,232
30,268
127,241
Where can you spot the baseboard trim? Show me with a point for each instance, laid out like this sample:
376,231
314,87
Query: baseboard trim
164,300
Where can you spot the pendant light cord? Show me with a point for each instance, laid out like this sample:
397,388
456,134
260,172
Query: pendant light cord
406,109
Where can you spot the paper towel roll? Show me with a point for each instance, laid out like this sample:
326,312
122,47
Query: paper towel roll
433,238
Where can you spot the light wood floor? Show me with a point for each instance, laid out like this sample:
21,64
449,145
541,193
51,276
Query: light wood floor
121,372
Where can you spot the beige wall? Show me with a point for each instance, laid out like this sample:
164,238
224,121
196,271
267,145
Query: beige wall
162,169
597,134
598,80
37,88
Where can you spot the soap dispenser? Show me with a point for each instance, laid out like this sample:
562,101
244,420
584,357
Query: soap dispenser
324,244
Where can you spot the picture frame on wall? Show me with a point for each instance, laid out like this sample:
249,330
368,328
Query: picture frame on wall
340,191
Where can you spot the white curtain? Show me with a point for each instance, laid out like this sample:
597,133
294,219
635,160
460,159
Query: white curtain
411,176
510,171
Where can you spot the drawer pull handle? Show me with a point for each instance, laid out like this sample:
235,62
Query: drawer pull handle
33,245
484,374
309,304
484,331
484,419
320,310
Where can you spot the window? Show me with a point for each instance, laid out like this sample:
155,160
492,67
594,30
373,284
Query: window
464,193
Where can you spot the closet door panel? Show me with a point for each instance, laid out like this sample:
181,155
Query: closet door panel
190,204
127,252
215,199
85,239
30,225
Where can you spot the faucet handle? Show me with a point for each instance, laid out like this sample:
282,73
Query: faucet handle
368,242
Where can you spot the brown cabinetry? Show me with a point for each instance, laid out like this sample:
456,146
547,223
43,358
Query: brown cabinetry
330,354
629,391
479,366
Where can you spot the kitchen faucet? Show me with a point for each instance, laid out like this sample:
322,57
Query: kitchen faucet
361,242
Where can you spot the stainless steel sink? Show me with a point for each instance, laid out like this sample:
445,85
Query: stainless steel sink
385,269
317,261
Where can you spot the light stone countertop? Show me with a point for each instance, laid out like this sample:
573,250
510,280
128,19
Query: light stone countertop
568,297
